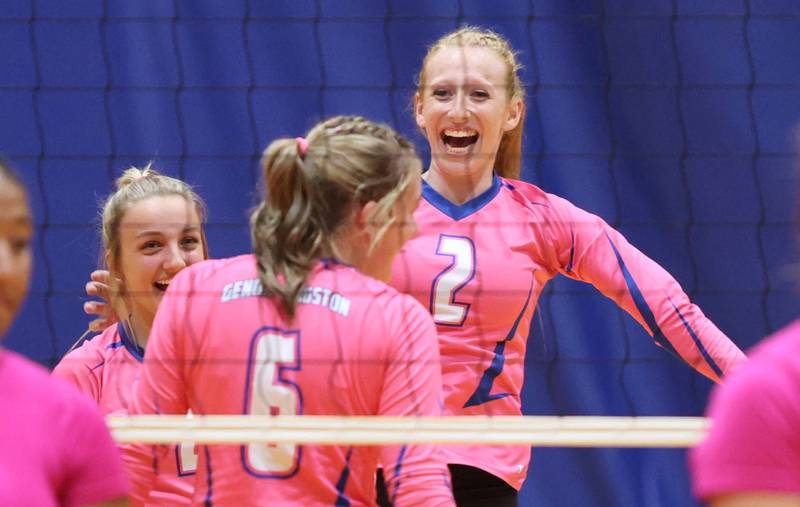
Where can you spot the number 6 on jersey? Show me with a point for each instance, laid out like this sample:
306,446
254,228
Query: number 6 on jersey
444,308
272,353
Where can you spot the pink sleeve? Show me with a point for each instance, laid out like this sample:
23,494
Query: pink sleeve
161,388
94,471
76,368
415,474
588,249
753,444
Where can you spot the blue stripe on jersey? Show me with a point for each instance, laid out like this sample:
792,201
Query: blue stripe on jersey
641,304
209,482
455,211
114,345
398,467
341,484
697,342
482,393
135,350
571,253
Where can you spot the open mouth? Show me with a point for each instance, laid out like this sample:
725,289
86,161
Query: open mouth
459,140
162,285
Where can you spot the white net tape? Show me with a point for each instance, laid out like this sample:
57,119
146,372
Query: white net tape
537,431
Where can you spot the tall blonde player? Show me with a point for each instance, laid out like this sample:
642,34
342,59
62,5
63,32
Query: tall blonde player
489,243
152,229
307,325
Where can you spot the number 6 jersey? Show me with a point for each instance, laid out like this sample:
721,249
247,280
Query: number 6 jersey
480,267
355,347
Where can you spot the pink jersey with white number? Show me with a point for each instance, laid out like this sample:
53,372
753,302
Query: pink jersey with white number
480,267
754,444
55,449
355,347
107,368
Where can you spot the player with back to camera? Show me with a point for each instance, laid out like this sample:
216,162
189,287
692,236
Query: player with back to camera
54,446
306,325
488,244
152,228
751,455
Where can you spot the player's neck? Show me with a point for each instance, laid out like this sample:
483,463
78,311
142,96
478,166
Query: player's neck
140,330
458,189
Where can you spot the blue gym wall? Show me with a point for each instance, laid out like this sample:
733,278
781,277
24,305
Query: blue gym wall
673,120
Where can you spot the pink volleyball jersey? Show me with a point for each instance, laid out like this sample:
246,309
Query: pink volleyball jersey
107,368
355,347
754,442
55,449
480,267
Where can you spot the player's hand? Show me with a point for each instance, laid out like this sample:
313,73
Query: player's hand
100,286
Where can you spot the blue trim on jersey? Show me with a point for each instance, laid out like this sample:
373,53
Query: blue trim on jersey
341,484
571,253
396,476
114,345
101,363
135,350
455,211
209,481
328,262
641,303
482,392
697,342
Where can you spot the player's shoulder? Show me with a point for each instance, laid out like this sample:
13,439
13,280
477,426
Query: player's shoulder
378,295
530,196
92,350
212,270
546,206
31,381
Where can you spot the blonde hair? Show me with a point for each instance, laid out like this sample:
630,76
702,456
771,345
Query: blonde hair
135,185
312,190
509,154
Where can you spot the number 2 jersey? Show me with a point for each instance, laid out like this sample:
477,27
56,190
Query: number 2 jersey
355,347
106,368
480,267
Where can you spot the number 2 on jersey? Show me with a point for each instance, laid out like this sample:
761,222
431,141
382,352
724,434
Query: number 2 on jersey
272,352
443,306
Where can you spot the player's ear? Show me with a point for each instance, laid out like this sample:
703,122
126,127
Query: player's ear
418,116
514,114
363,218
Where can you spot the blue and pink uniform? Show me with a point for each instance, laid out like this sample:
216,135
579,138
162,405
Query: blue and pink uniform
354,347
480,267
107,369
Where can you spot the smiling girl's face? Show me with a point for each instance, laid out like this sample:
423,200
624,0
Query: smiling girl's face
159,236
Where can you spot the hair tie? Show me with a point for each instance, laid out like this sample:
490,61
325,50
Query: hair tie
302,146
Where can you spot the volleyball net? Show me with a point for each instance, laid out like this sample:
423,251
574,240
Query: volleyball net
537,431
671,120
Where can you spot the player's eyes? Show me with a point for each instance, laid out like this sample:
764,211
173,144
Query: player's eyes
20,243
440,93
190,241
150,245
480,94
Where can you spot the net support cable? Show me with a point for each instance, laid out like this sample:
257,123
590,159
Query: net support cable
538,431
